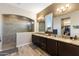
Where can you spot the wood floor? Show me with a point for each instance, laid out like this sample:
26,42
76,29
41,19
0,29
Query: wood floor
29,50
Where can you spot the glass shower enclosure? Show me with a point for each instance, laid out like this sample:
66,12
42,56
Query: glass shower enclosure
11,25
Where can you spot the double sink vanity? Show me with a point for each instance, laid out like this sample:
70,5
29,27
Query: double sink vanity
56,46
65,24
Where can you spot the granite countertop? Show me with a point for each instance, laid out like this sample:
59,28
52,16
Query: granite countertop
66,40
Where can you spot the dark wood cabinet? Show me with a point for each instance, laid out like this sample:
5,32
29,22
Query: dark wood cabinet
55,48
66,49
35,40
43,43
48,45
39,41
52,47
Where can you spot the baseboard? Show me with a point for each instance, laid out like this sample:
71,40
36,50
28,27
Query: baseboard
23,44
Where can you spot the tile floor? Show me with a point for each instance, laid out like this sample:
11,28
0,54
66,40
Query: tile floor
29,50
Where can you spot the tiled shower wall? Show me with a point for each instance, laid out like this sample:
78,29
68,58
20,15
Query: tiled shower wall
11,25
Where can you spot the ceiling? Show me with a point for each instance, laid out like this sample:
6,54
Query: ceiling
32,7
53,9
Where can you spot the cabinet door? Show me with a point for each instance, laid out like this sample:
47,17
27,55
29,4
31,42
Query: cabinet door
66,49
39,41
52,47
43,43
35,40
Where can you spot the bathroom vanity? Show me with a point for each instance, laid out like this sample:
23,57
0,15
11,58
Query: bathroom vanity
56,46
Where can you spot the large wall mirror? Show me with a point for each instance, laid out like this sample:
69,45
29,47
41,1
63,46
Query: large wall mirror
49,22
65,26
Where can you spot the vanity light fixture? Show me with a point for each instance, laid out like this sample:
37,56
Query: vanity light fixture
58,10
63,8
67,5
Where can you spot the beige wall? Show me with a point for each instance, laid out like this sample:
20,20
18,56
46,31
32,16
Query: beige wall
75,21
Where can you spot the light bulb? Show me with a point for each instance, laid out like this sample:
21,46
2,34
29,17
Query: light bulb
67,5
57,9
63,9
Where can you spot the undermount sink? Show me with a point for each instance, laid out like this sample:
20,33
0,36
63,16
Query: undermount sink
44,34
